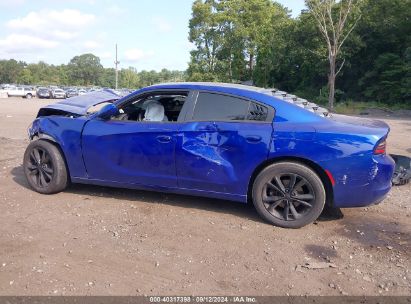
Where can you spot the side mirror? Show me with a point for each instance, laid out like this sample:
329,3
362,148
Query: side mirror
108,111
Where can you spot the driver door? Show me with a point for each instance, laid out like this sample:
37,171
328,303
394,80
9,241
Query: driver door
131,152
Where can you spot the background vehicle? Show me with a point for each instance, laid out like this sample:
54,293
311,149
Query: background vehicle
71,93
218,140
43,93
20,91
58,94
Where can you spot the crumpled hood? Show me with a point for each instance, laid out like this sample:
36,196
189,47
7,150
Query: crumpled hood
80,104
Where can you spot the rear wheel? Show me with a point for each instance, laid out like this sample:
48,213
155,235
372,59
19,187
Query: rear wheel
29,96
45,168
289,195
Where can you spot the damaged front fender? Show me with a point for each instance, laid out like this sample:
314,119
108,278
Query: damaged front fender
66,133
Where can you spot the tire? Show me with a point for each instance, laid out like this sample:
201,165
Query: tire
45,168
288,195
29,96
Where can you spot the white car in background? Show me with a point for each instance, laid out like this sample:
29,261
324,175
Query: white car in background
58,94
15,91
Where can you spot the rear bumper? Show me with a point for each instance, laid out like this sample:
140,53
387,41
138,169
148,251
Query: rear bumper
366,183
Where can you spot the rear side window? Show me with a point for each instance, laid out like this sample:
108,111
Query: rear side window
257,112
217,107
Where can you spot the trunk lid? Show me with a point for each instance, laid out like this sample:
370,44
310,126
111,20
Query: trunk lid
375,130
359,121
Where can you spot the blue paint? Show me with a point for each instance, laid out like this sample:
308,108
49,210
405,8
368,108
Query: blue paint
218,159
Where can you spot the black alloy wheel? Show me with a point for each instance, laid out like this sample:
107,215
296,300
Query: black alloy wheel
45,168
40,167
288,194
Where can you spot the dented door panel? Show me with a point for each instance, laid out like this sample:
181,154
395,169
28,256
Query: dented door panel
220,156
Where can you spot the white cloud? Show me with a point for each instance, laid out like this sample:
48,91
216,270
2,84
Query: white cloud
101,35
20,43
12,4
105,55
115,11
161,24
44,29
61,25
137,54
62,35
92,45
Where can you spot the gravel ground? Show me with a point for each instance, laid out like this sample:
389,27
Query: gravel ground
93,240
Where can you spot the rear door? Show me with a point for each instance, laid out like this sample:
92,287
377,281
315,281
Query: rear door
223,140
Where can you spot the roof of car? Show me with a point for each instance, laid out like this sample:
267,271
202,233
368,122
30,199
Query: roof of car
210,85
245,91
282,101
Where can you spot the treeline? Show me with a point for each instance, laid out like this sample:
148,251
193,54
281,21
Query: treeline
240,40
83,70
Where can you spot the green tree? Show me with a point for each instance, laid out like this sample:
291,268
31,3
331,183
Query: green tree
252,26
25,76
206,34
129,78
85,69
232,37
333,21
10,70
386,79
385,47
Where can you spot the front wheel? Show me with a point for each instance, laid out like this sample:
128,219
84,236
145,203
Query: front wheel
45,168
289,195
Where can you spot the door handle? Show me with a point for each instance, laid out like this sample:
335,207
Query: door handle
164,139
253,139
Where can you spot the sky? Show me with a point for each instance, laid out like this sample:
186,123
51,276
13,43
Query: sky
151,34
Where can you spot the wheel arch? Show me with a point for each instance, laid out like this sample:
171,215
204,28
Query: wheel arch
53,141
329,191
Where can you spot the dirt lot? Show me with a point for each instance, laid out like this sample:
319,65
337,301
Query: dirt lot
99,241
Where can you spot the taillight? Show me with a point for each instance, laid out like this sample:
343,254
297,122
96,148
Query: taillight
381,147
330,176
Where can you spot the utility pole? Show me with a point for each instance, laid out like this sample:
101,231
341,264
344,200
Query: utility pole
116,63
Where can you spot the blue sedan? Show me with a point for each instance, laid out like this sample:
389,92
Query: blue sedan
289,157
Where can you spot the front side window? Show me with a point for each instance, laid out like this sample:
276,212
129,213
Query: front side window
156,107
